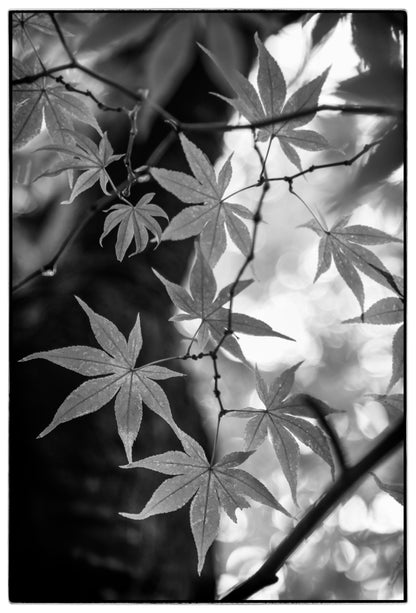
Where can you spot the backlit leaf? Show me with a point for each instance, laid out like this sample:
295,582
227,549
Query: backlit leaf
386,311
284,419
116,362
82,154
209,220
134,222
343,244
201,303
394,489
211,486
398,357
47,100
271,103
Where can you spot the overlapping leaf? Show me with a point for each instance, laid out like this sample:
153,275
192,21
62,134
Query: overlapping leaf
113,373
202,302
398,357
134,222
393,404
344,245
212,487
394,489
286,419
212,216
48,101
386,311
82,155
271,103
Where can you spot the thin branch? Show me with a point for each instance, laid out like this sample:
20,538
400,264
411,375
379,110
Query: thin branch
42,73
127,158
100,204
88,94
217,394
266,574
62,37
289,179
347,109
250,256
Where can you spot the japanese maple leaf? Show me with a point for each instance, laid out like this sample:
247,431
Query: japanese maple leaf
46,101
392,403
113,373
286,418
202,302
387,311
395,490
83,155
271,103
134,222
343,244
211,486
210,219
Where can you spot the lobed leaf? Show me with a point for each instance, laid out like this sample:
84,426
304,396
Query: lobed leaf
386,311
114,365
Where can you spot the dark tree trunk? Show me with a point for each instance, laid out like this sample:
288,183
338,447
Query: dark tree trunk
67,541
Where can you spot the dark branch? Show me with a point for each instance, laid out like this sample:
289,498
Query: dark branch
266,575
62,38
382,111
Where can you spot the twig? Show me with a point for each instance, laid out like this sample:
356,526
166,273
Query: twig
88,94
217,394
100,204
347,109
349,162
181,126
62,37
266,574
328,428
250,256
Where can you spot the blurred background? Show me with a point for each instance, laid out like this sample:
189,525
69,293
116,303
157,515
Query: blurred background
357,553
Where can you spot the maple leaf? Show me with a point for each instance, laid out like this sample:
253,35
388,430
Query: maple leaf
115,373
398,357
386,311
394,489
212,487
134,222
281,419
392,403
202,302
343,244
45,100
271,103
84,155
210,218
